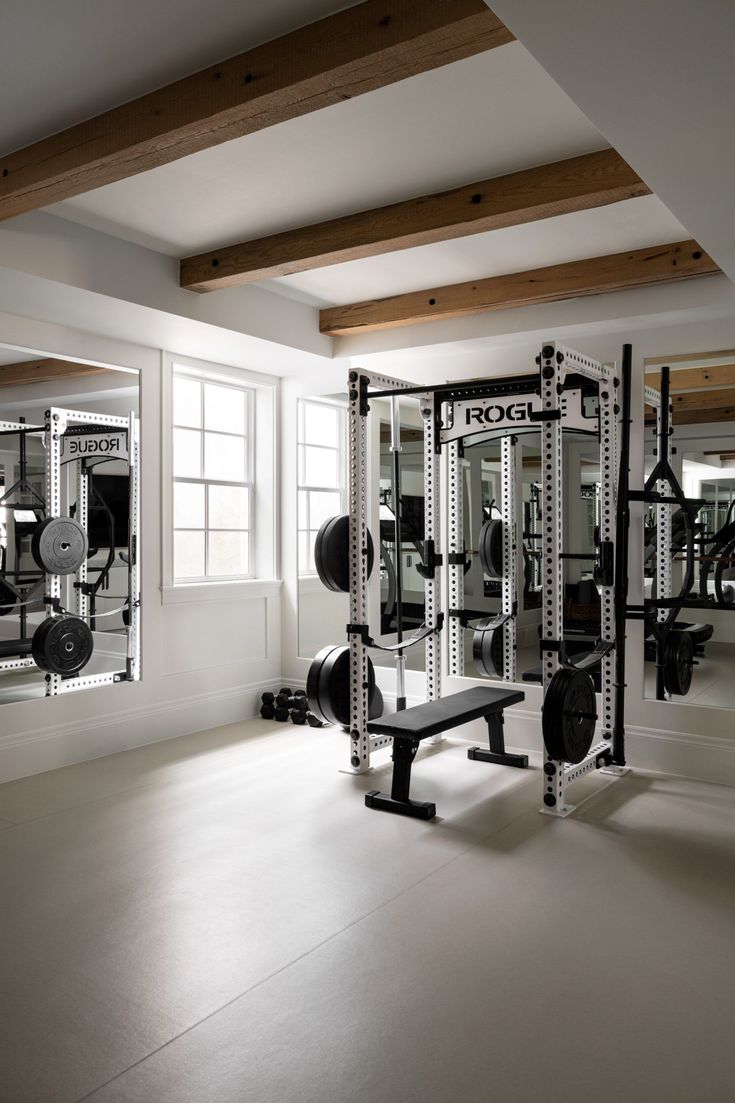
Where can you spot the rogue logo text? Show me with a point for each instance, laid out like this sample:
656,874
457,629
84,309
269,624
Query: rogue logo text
496,413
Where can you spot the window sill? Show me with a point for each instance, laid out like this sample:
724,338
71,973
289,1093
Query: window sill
241,590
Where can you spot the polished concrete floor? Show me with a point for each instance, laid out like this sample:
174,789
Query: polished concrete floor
219,919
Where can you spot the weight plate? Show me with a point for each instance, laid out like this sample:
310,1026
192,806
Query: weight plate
328,685
62,645
8,597
568,715
678,662
59,545
487,652
332,554
491,548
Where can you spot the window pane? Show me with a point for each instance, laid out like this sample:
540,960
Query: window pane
303,552
321,425
228,553
323,504
304,514
228,507
224,457
187,402
187,453
189,554
320,467
188,506
224,409
312,541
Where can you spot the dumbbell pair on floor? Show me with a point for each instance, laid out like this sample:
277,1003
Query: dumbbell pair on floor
286,705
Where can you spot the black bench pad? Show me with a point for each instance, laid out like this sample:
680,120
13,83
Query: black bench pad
423,721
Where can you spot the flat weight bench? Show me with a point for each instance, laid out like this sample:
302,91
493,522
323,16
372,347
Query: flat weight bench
409,727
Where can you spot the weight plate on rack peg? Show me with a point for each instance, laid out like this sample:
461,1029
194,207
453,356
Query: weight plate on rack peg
568,715
62,645
487,652
59,545
332,554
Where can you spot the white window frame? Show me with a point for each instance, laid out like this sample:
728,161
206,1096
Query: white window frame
262,444
341,451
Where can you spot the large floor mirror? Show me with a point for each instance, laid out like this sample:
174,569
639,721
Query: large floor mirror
84,545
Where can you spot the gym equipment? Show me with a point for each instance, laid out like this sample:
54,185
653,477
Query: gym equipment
678,662
328,686
332,554
568,715
298,716
699,634
296,701
267,711
59,545
62,645
487,649
490,547
314,721
281,715
410,727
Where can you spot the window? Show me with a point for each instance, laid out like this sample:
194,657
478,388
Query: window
212,478
321,490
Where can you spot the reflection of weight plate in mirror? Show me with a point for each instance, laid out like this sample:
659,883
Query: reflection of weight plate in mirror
59,545
678,662
491,548
62,645
487,652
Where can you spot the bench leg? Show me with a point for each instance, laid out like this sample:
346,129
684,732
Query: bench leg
497,753
399,801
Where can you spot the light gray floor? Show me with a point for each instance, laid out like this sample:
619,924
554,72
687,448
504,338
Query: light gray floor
219,918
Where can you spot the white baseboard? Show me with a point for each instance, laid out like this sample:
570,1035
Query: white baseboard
48,747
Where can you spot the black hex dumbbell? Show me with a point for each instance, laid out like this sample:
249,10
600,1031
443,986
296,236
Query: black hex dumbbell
313,721
268,712
295,701
298,716
281,715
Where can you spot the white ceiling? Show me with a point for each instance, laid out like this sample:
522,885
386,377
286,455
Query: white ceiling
62,61
633,224
484,116
658,79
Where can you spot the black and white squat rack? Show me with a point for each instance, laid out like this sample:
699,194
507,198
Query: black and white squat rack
567,391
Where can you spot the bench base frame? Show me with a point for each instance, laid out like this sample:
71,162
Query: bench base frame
419,809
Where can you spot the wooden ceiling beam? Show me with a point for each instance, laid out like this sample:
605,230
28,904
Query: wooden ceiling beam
687,379
44,371
575,184
703,417
362,48
596,276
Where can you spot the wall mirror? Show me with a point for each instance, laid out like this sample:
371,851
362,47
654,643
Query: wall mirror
69,526
501,481
702,391
396,589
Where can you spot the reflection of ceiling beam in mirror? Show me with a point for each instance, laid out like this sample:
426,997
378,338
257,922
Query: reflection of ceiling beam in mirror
689,379
656,264
697,417
702,400
691,359
44,371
